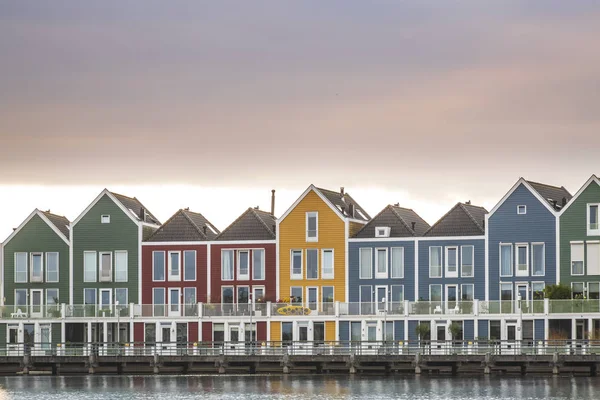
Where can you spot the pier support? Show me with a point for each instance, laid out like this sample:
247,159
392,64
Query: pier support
92,364
555,365
593,369
221,364
417,363
352,364
286,364
156,364
487,364
26,364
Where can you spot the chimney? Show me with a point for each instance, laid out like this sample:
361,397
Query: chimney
273,202
351,210
397,205
186,209
143,214
468,202
256,208
554,202
274,228
564,201
342,191
413,224
48,211
484,224
204,229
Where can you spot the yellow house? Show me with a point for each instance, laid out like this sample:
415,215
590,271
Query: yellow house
312,265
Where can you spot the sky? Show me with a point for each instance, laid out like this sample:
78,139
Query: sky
210,105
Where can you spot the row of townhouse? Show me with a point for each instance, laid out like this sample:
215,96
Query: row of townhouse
324,271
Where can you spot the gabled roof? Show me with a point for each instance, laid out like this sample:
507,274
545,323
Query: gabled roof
398,219
136,208
592,178
345,204
185,226
56,222
60,222
463,219
253,224
557,197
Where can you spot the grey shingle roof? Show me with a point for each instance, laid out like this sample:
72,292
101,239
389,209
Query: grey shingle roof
136,207
61,223
343,202
556,196
462,220
398,219
185,226
253,224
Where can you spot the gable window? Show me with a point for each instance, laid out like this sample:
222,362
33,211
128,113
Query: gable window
105,219
398,262
365,260
174,266
312,264
538,259
243,269
435,262
37,267
189,265
158,266
258,265
121,267
296,264
227,265
312,226
20,267
90,266
51,267
382,231
521,209
381,263
467,259
327,264
577,258
593,228
522,255
506,268
105,267
593,257
452,262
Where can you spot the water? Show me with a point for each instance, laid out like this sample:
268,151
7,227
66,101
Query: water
288,387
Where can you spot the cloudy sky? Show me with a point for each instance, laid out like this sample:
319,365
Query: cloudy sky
212,104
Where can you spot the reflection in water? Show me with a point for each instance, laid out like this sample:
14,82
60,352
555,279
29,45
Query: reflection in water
288,387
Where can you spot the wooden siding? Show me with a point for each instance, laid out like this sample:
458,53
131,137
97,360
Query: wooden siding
91,235
275,331
36,236
354,228
138,332
261,331
330,333
207,333
192,332
331,235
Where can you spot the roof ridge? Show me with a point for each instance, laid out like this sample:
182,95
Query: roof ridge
440,219
372,220
402,220
261,220
184,212
463,206
547,185
233,223
160,229
56,215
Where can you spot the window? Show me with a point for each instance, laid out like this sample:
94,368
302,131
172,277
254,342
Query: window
327,262
158,266
578,289
243,267
506,292
435,293
577,258
435,262
319,333
287,332
593,257
467,260
522,261
452,262
593,229
398,262
37,267
397,294
52,297
312,294
227,265
21,299
227,294
89,299
105,298
312,226
189,265
381,263
382,231
51,267
105,219
258,293
105,267
258,264
218,333
296,295
150,332
537,289
495,330
296,264
593,290
466,292
121,297
327,294
243,294
521,209
20,267
366,268
159,301
506,260
312,264
538,259
121,266
174,266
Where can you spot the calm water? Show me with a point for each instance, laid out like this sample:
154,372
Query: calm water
288,387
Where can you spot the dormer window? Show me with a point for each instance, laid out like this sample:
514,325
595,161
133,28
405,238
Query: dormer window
382,231
105,219
521,209
593,228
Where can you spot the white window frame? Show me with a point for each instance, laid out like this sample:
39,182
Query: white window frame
102,306
292,293
582,258
462,286
96,272
462,261
382,231
441,266
223,252
233,293
195,258
512,290
126,295
236,293
510,259
448,273
327,275
316,215
57,267
543,259
292,274
126,266
105,219
31,278
441,292
307,301
455,286
535,283
577,283
170,311
254,289
110,275
381,275
41,305
24,272
306,262
370,250
521,209
26,291
163,267
401,276
170,276
323,297
592,232
57,296
518,272
246,276
262,267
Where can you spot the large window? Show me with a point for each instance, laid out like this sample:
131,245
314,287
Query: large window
159,300
397,295
593,228
466,292
296,295
522,255
296,264
287,332
452,262
397,262
37,267
243,270
381,263
312,264
467,260
51,267
121,297
577,253
327,264
506,259
121,266
327,296
52,297
174,266
20,267
435,262
258,264
593,290
578,290
158,266
593,258
189,265
90,269
21,299
537,289
312,226
538,259
243,294
506,292
365,260
435,293
218,333
227,265
227,294
105,267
